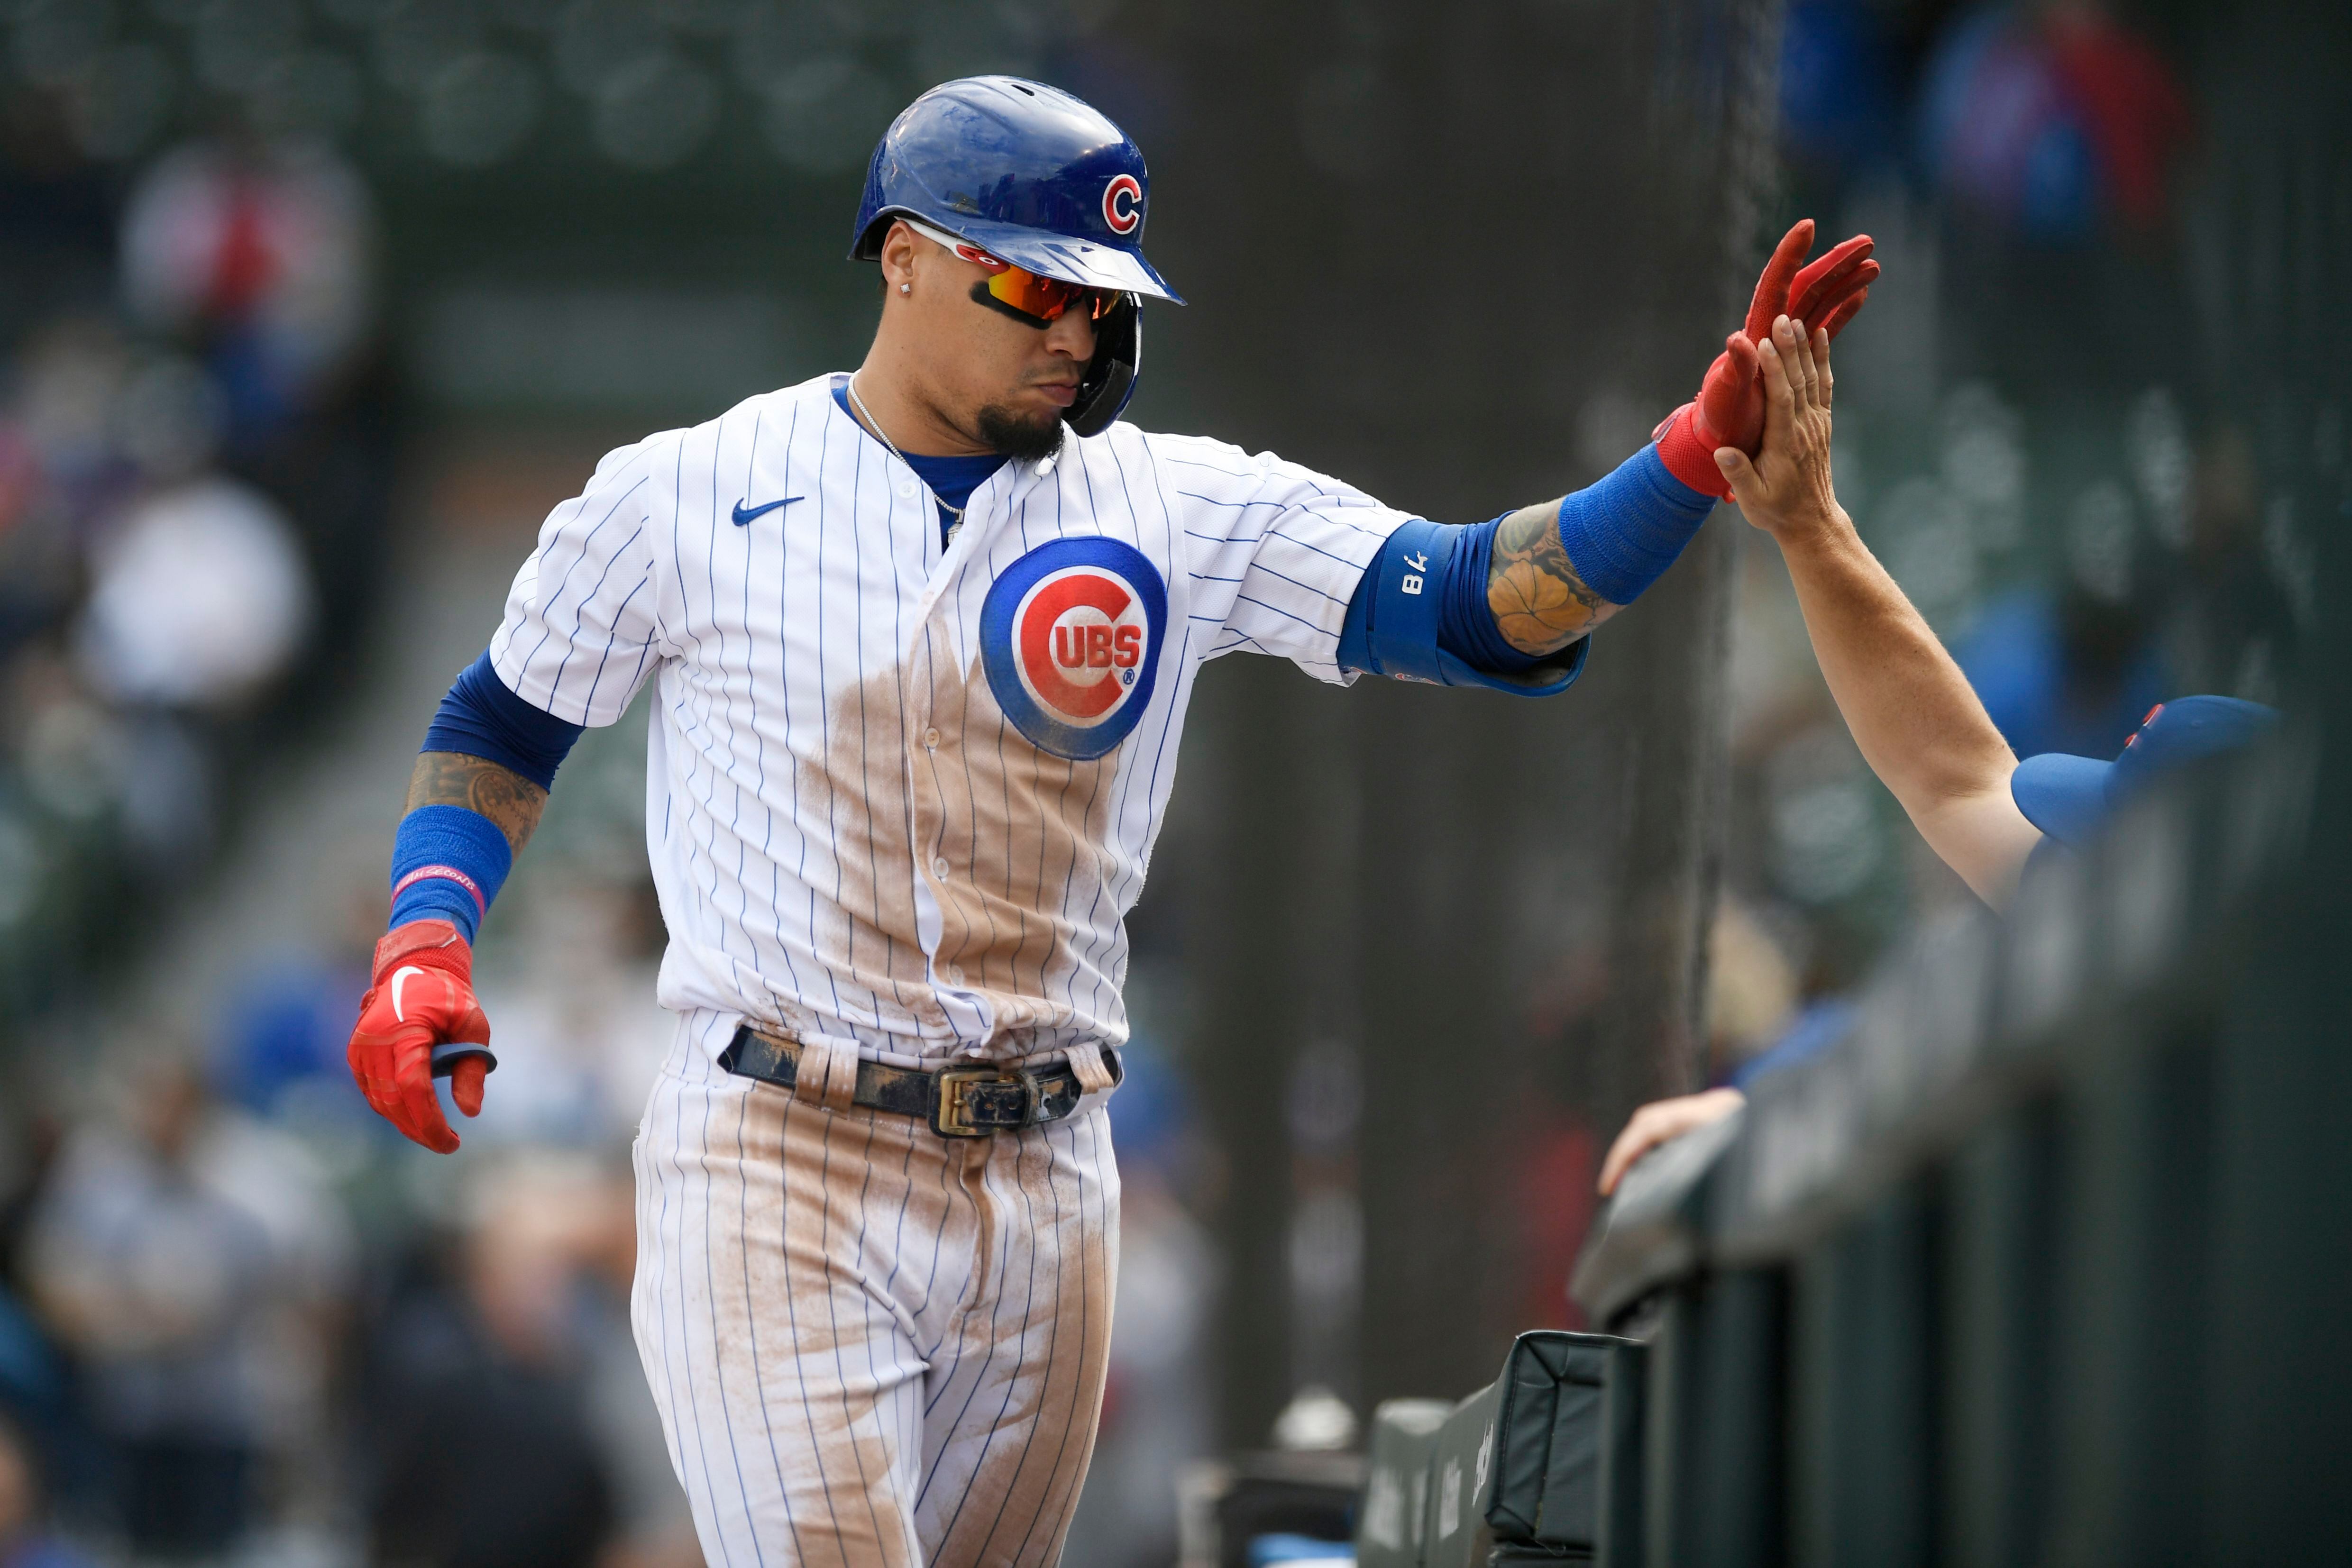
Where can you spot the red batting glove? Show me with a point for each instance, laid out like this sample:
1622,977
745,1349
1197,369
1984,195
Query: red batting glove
1730,408
422,996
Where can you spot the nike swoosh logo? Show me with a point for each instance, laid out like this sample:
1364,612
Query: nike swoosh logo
744,513
399,980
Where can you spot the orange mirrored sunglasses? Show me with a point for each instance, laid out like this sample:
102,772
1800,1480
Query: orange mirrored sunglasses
1018,292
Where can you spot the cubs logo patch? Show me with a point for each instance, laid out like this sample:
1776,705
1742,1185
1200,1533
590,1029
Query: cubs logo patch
1070,637
1123,204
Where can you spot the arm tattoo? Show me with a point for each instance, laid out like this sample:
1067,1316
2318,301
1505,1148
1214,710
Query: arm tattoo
1538,603
505,796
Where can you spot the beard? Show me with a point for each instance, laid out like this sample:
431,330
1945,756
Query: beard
1025,440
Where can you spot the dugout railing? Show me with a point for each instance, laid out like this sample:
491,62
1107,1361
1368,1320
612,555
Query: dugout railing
2035,1265
2045,1261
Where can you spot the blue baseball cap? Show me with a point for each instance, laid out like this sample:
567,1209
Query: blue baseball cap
2068,798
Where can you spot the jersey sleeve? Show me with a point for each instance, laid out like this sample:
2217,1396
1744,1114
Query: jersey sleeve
1273,550
582,629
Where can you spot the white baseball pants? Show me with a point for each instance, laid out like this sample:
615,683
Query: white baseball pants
869,1345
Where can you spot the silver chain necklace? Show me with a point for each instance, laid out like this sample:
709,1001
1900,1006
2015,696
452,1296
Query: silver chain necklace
876,426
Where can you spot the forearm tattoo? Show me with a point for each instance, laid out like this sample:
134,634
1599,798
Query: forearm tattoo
505,796
1539,604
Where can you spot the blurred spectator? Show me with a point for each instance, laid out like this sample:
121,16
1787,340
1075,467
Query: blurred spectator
199,598
285,1019
260,257
32,1383
193,501
2050,131
1156,1413
193,1261
2248,585
580,1035
2073,670
486,1453
2055,119
25,1539
653,1527
1751,988
35,1390
1837,87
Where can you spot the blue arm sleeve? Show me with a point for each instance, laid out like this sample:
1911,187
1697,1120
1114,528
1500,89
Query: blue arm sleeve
481,718
1621,532
1419,613
448,863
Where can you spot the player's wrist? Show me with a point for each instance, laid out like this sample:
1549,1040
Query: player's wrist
1687,446
432,944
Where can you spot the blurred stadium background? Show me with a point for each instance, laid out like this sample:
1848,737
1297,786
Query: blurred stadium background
311,308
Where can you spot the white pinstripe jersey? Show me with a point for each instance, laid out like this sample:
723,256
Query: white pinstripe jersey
901,795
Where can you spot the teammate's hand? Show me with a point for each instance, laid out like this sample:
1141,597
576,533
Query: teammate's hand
1787,489
422,996
1730,408
1662,1122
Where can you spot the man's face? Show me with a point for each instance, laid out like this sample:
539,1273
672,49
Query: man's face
994,378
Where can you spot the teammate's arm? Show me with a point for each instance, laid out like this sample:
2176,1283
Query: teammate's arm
1662,1122
1917,719
1912,712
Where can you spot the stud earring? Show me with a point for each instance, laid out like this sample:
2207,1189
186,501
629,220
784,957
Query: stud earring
906,289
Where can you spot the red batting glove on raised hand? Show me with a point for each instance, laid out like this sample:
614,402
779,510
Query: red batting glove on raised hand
1730,408
422,996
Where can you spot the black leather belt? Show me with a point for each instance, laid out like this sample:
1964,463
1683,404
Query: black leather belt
957,1102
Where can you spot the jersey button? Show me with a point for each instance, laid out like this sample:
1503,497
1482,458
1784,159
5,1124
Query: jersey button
939,868
955,973
906,489
931,739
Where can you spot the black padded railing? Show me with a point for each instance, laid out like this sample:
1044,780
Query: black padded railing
2033,1265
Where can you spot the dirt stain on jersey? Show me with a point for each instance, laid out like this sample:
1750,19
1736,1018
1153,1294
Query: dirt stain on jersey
923,769
854,798
1024,838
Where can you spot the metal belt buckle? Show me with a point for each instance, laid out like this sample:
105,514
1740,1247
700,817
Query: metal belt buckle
975,1102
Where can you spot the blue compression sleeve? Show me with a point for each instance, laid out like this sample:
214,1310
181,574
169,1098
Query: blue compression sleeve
1620,534
1418,615
1466,627
1623,531
481,718
448,863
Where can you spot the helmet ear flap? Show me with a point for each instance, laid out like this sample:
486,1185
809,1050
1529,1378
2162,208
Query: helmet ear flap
1110,375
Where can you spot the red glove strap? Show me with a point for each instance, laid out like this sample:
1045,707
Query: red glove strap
1687,448
428,944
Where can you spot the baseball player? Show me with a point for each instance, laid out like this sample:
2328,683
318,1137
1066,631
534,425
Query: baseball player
922,638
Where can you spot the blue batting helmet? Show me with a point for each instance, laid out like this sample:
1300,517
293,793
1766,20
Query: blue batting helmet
1038,178
1024,171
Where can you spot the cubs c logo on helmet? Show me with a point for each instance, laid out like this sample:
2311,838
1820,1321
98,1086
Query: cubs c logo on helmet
1122,204
1070,638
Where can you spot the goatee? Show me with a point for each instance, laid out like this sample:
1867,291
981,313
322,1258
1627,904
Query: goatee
1024,440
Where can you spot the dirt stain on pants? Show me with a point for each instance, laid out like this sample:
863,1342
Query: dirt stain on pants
869,1343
